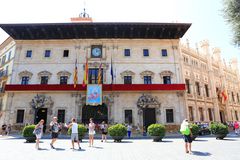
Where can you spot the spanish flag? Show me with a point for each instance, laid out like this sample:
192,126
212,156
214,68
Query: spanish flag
100,74
224,95
75,80
85,77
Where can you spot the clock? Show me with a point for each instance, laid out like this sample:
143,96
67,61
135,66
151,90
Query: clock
96,51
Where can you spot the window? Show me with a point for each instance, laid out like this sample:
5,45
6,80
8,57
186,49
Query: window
9,55
236,115
201,114
198,88
3,59
166,80
20,116
210,114
190,111
169,116
127,79
188,85
206,89
65,53
145,52
44,80
128,116
47,53
63,79
164,53
25,80
233,98
61,116
147,79
29,53
93,76
126,52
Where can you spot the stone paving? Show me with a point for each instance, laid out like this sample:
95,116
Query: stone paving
15,148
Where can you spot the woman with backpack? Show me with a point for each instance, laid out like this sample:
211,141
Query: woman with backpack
187,135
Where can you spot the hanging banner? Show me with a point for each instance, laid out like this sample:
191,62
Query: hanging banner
94,94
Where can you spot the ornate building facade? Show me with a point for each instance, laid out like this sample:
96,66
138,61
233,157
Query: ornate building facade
212,86
147,85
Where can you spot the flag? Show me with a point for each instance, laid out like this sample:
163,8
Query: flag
75,80
85,77
111,71
100,74
224,96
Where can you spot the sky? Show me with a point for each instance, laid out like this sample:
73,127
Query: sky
205,16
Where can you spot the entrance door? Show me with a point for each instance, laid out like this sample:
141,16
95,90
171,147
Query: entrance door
149,117
222,117
98,113
42,114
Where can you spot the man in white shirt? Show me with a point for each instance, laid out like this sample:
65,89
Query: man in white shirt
74,134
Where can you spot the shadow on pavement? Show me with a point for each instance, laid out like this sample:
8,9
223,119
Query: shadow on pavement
60,149
124,141
227,139
97,147
197,153
43,149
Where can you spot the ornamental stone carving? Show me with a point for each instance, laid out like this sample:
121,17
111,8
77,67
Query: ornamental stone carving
148,101
166,73
25,73
147,73
127,73
40,101
96,65
44,73
63,73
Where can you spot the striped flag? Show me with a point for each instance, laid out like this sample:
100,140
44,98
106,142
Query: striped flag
100,74
75,80
85,77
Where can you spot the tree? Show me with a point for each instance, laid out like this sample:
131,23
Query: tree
231,12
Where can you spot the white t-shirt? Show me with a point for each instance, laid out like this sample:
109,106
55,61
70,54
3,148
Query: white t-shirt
74,128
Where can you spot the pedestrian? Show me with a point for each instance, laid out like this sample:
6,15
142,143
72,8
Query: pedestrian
91,132
185,130
4,127
54,128
74,134
38,131
8,129
129,130
104,128
236,127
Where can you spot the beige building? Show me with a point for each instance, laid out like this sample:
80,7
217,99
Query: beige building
147,86
212,86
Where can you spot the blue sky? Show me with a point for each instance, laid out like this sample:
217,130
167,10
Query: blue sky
205,16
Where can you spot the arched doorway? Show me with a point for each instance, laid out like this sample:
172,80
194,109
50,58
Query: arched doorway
99,113
148,107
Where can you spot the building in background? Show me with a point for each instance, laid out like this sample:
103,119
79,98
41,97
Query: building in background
212,86
7,53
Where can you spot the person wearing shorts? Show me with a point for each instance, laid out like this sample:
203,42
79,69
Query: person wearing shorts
104,128
91,132
187,136
74,134
55,127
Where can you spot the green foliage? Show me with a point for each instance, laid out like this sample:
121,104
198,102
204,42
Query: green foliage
28,131
117,130
231,13
195,129
81,130
219,129
156,130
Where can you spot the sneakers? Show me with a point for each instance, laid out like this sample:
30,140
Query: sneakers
52,146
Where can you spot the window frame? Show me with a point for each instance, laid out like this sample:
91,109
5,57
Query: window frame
127,79
66,51
164,52
129,117
167,114
25,80
127,52
65,79
61,116
44,81
20,119
147,79
145,52
167,79
47,51
28,54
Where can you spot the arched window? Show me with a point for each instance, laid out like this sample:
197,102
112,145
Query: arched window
127,76
25,76
166,77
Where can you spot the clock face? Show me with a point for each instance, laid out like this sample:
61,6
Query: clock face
96,51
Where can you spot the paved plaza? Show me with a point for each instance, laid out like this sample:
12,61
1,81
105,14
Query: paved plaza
134,149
